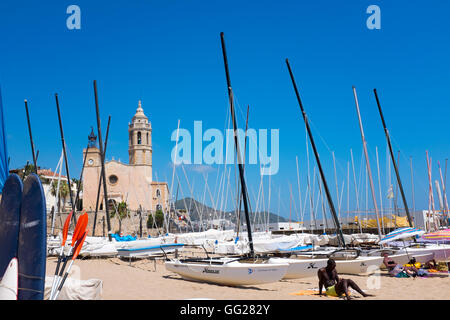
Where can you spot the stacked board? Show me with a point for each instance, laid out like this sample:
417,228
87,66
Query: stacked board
23,236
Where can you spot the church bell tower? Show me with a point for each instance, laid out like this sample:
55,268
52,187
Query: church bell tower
140,139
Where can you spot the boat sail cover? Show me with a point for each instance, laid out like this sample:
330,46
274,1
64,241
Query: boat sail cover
4,171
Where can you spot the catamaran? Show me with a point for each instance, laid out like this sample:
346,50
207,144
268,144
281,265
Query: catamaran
247,270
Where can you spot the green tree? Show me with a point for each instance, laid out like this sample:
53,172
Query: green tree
122,212
27,170
155,219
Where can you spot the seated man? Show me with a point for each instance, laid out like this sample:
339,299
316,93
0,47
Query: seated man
388,262
334,285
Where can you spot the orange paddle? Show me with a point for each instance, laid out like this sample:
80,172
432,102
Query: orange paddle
61,252
78,234
77,249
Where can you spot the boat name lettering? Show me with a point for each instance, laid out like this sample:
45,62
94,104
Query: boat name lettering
206,270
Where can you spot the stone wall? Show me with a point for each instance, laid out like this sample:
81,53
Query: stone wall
129,225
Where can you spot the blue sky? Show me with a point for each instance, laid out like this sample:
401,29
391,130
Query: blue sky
168,54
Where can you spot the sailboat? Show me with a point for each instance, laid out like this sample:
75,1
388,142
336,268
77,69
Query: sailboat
246,270
440,251
348,261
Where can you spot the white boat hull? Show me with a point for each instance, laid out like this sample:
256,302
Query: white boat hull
300,268
360,265
441,252
232,273
143,252
404,258
9,282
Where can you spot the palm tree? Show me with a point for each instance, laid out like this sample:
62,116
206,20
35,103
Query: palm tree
63,192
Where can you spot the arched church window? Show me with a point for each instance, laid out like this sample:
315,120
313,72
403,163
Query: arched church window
158,193
158,207
148,142
139,138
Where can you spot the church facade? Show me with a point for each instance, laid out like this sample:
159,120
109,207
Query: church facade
130,182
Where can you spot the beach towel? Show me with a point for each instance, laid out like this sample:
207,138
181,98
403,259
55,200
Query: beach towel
402,274
310,292
313,292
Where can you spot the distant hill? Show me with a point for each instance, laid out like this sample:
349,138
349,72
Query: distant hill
197,209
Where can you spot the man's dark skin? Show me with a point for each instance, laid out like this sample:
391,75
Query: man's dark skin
328,277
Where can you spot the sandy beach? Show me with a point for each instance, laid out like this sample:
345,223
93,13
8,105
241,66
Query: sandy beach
149,280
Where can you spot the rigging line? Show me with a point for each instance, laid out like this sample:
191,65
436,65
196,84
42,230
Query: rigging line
222,194
311,205
175,160
360,179
268,205
318,198
324,217
210,195
226,196
305,202
295,206
239,108
263,206
257,201
336,182
190,189
299,192
356,190
379,189
324,142
203,207
186,208
396,145
340,199
313,189
279,203
283,207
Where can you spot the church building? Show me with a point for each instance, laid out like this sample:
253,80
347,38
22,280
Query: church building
130,182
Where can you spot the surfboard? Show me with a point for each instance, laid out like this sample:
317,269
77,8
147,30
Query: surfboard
9,282
32,240
9,220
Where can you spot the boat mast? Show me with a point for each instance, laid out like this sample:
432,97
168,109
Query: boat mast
31,137
172,205
369,171
100,180
431,207
102,154
325,185
238,152
379,190
356,192
65,159
446,212
393,160
239,194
